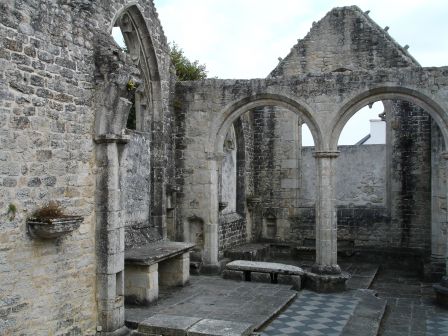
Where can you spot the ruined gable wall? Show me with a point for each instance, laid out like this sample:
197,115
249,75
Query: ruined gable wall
47,87
345,38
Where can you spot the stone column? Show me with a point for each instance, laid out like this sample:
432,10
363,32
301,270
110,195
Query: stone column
326,226
441,288
109,235
211,221
444,161
439,198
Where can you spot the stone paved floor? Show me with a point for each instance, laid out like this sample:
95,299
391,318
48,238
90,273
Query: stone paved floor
314,314
215,298
411,310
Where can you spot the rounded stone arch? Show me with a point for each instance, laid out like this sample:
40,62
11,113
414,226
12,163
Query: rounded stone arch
354,104
138,39
229,114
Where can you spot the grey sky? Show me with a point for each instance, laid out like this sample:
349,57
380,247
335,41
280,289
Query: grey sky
244,38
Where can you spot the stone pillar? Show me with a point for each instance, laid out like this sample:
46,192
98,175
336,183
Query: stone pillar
439,171
109,235
326,225
211,221
441,288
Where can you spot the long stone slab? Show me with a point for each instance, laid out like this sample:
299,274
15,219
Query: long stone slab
220,328
264,267
155,252
167,325
173,325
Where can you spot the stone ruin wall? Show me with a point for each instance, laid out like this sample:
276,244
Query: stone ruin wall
383,192
276,170
373,210
233,225
47,87
360,197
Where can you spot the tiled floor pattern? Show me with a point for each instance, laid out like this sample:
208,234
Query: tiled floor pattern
313,314
437,326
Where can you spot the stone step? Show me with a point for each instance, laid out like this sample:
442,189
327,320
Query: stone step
173,325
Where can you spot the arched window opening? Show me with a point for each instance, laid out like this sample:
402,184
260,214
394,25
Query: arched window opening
266,187
127,34
229,173
383,177
306,136
366,127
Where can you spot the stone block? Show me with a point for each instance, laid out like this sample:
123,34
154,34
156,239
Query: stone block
110,263
106,284
111,320
220,328
175,271
294,280
260,277
167,325
233,275
141,284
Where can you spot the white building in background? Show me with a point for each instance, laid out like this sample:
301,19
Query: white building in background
377,133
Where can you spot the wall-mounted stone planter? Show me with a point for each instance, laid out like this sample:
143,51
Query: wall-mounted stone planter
53,228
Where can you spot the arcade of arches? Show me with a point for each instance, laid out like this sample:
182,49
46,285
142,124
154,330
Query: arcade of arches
217,163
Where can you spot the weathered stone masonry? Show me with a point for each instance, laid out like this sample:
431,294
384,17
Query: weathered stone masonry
48,91
66,90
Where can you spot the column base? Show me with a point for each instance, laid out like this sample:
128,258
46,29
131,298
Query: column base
441,290
323,269
326,283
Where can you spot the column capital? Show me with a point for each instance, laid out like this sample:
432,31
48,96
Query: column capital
326,154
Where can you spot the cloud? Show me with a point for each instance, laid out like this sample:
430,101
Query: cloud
244,38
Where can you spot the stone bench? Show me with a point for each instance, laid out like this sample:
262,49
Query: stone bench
162,263
244,270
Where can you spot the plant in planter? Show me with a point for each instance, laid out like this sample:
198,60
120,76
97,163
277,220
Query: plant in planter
49,222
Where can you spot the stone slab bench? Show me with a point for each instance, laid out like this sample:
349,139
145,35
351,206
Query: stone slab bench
162,263
173,325
259,271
